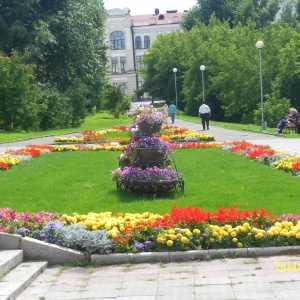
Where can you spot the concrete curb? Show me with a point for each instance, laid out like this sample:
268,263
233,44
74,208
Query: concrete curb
55,255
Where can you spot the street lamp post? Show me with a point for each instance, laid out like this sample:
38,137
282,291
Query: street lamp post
202,69
177,110
259,45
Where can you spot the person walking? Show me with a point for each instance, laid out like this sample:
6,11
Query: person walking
204,114
165,112
172,111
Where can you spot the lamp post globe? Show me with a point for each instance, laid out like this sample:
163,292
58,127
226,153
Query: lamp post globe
259,45
175,71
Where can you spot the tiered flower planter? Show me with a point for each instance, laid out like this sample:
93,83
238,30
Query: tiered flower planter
149,128
145,165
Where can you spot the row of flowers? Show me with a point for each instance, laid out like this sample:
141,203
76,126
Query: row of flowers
263,154
279,160
188,228
170,133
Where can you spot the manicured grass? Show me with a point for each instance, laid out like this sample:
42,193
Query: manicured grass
101,120
80,182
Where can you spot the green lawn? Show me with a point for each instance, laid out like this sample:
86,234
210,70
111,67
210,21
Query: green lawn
80,182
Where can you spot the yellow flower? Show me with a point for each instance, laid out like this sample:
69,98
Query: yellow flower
107,226
160,240
215,234
258,235
184,240
234,240
240,245
233,234
169,243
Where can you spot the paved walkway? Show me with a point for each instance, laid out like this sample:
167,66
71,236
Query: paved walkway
263,278
225,279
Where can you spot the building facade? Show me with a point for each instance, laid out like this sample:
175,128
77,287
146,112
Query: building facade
129,37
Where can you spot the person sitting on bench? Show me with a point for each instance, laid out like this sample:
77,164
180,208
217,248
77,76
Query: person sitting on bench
290,120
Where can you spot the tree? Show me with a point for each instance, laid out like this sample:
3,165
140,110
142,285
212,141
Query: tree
19,94
163,56
55,110
262,12
65,40
116,102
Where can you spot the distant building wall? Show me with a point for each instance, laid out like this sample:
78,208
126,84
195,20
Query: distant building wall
130,37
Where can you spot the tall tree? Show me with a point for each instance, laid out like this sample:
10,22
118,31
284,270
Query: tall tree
65,40
262,12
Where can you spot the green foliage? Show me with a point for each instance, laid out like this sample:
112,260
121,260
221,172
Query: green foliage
275,109
56,109
233,11
116,102
77,237
19,94
65,40
232,74
163,56
100,120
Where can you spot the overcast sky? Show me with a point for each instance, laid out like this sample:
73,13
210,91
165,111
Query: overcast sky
139,7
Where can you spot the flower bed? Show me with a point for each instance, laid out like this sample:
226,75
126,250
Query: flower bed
174,133
279,160
189,228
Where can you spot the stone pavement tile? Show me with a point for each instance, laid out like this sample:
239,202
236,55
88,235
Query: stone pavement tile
212,266
103,290
73,276
176,276
105,279
134,298
141,269
254,295
179,267
212,280
284,277
173,292
287,294
142,277
65,288
242,273
211,274
285,285
241,264
70,295
215,292
176,283
251,286
249,279
138,288
108,270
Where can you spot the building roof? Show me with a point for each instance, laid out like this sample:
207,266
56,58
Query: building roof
157,19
